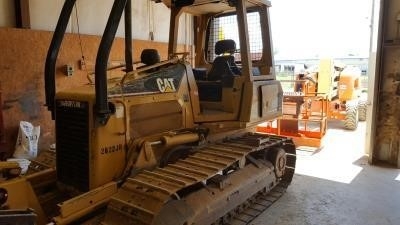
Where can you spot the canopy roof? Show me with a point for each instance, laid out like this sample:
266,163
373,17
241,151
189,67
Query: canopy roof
199,7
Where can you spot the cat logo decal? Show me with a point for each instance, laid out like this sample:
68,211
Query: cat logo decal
166,84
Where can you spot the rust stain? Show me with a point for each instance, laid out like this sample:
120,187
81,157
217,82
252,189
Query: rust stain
7,104
30,105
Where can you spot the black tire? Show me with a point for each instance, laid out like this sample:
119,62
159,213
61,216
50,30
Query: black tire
351,119
362,110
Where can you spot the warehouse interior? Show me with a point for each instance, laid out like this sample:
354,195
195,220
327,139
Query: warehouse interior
353,179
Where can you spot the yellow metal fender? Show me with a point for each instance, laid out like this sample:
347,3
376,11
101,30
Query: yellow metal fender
21,196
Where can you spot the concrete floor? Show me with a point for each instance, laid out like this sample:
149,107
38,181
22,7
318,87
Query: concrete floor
337,186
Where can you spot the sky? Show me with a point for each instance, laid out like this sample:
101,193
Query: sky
320,28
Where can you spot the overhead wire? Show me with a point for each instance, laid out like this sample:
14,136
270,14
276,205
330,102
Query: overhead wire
150,15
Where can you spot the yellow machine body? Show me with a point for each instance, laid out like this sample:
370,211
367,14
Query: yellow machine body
171,132
349,84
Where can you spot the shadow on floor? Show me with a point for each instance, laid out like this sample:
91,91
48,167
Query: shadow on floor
372,197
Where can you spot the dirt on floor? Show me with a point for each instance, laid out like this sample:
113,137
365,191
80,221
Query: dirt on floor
337,186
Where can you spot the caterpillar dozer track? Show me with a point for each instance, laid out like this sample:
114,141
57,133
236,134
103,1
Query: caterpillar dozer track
169,142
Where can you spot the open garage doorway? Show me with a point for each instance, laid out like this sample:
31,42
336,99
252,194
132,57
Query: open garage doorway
325,54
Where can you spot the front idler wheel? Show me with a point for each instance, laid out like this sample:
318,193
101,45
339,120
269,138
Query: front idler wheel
278,158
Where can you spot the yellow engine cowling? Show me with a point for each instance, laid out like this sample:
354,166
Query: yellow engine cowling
88,156
349,83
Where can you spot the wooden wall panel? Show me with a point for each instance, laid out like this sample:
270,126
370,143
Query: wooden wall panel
22,59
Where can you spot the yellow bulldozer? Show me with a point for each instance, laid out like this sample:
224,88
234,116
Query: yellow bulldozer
168,143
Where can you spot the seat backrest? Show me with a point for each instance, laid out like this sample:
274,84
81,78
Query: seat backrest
225,46
222,65
150,57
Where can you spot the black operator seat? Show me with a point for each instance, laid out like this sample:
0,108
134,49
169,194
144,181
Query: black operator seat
224,67
222,72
